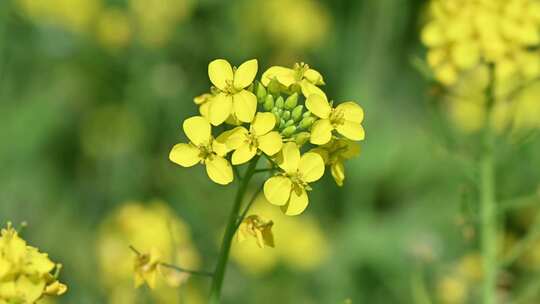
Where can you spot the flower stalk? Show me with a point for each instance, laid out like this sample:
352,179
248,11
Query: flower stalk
488,207
230,230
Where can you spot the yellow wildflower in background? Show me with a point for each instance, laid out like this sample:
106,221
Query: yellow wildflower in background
232,98
458,284
153,229
146,268
300,75
335,153
25,273
113,28
462,34
300,243
204,149
346,119
258,227
289,188
259,137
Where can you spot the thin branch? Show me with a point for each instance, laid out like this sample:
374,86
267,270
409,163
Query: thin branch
177,268
523,245
520,202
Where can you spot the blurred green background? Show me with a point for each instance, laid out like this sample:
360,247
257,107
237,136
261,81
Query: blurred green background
92,96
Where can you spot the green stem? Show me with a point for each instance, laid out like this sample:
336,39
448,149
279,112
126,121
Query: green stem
487,203
230,230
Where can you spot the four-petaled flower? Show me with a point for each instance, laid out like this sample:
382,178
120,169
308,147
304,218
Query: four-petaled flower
335,153
203,148
232,97
259,137
146,268
301,74
257,227
346,119
288,189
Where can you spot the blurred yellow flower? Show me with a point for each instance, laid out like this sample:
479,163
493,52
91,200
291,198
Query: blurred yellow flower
113,28
301,75
152,229
259,137
258,227
289,188
25,273
462,34
452,289
290,248
73,15
203,101
232,98
346,119
204,149
335,153
457,284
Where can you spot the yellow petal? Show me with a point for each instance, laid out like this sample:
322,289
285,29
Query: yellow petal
321,132
277,190
263,123
198,130
297,203
314,77
219,146
351,130
220,72
309,89
351,111
243,154
318,106
284,75
204,109
338,173
234,138
245,105
311,167
220,109
322,152
270,143
289,157
245,74
186,155
219,170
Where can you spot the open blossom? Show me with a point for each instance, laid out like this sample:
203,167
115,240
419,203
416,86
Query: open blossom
232,97
259,137
288,189
257,227
146,268
346,119
204,149
25,273
335,153
301,75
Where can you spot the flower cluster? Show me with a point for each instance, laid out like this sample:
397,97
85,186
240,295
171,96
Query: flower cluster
462,34
279,117
25,273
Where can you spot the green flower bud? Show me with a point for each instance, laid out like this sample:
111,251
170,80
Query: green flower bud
306,114
268,102
291,101
297,113
289,122
288,131
261,93
286,115
301,138
280,102
307,122
274,87
282,123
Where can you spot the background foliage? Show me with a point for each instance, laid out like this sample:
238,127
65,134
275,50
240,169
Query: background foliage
92,93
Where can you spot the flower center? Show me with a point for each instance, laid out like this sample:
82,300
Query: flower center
300,69
337,117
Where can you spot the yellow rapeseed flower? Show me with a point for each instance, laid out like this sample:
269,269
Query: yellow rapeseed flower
258,227
259,137
232,98
288,189
203,101
146,268
301,75
204,149
462,34
346,119
25,273
335,153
